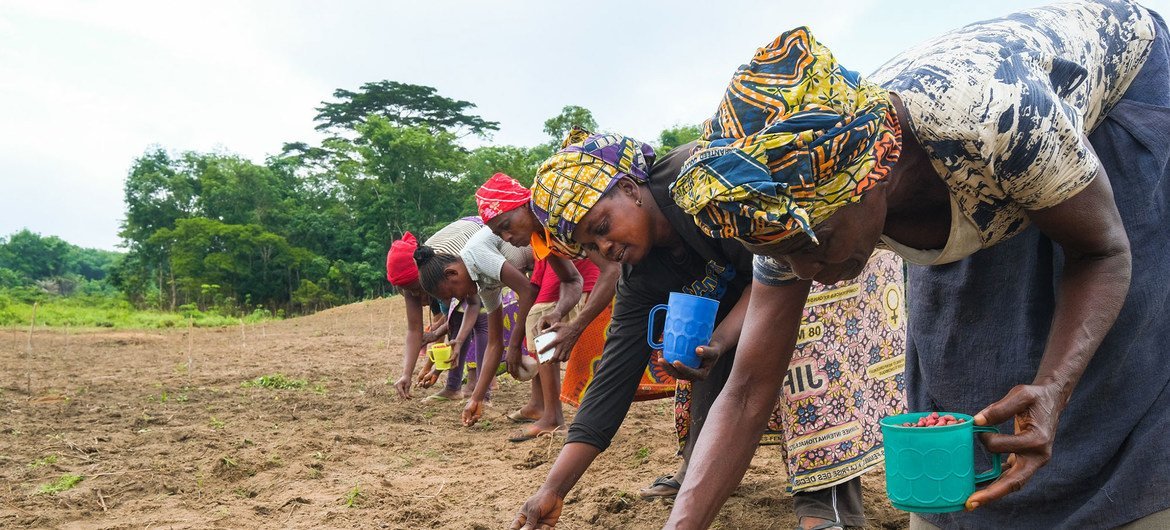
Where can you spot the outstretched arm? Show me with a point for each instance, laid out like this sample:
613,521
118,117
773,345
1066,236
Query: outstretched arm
571,285
738,417
473,411
526,296
414,333
1092,289
603,292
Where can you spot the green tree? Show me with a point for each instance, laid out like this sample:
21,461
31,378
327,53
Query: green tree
403,105
558,126
34,257
157,194
676,136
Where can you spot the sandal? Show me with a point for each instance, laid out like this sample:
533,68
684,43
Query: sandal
667,483
518,417
524,434
828,525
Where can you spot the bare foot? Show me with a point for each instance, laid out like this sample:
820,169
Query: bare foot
447,393
534,430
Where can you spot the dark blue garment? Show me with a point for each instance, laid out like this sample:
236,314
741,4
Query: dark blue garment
978,327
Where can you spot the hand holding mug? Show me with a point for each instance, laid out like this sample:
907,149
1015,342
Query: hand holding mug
1036,411
708,355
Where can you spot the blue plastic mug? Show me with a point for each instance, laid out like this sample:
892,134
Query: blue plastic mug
689,322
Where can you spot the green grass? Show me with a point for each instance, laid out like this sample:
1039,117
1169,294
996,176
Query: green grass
276,381
65,483
96,311
353,497
642,455
44,461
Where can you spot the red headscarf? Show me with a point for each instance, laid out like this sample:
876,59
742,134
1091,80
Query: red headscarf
500,194
400,267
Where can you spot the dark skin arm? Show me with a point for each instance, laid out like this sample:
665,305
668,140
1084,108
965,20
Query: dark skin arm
543,509
526,296
473,411
517,281
737,419
1092,289
438,329
570,293
603,292
414,332
722,340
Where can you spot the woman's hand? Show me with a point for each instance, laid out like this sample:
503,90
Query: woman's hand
1036,409
708,356
427,378
472,412
540,512
567,336
402,385
550,319
429,337
512,359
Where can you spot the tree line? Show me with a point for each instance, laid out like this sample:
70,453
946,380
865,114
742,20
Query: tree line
309,227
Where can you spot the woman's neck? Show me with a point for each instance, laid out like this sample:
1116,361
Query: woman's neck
918,208
664,233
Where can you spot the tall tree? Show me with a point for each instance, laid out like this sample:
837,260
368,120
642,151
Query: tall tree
157,194
558,126
403,105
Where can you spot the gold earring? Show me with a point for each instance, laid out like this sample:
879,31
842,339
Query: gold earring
638,203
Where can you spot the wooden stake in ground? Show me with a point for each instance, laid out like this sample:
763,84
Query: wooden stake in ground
28,370
190,341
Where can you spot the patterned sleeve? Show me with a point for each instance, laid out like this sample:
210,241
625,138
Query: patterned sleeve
770,271
1040,157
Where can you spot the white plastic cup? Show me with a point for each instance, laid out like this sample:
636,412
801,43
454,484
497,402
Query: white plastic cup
542,341
528,368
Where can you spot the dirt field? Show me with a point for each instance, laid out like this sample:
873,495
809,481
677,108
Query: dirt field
164,435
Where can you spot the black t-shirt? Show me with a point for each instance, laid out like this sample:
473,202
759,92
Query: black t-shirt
719,269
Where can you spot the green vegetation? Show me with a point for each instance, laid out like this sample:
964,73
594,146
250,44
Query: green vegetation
353,497
642,455
64,483
275,381
213,238
43,461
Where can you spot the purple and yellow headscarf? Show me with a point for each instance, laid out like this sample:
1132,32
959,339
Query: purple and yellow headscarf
795,138
571,181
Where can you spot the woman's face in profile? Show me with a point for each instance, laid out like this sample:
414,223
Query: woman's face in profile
515,226
456,282
616,227
847,239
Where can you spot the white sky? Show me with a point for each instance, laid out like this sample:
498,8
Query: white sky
85,87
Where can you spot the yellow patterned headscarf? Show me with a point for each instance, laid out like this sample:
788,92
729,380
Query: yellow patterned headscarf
571,181
795,137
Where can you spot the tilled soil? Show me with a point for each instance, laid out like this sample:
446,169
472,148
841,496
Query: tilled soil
164,434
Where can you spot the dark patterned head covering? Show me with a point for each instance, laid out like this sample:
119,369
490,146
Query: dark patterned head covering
571,181
795,138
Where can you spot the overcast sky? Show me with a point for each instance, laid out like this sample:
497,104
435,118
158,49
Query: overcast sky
85,87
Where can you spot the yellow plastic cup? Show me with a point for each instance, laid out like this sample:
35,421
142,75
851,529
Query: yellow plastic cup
440,354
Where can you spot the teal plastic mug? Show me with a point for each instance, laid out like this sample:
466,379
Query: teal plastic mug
932,469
